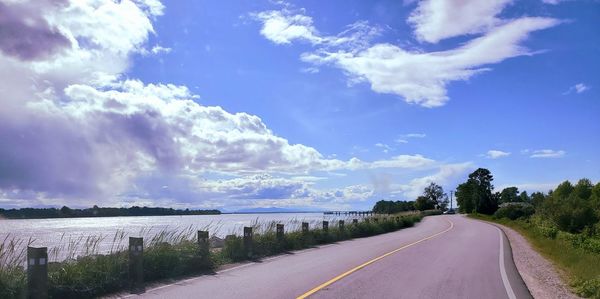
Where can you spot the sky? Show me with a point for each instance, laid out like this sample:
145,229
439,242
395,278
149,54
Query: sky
311,105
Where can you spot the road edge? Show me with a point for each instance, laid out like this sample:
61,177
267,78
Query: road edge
517,284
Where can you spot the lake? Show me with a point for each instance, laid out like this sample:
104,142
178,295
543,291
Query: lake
69,237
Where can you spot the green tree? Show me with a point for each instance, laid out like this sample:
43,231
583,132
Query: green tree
435,193
563,190
423,203
523,197
476,193
583,189
537,198
464,198
509,194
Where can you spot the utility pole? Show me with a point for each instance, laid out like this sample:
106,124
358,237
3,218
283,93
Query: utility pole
451,192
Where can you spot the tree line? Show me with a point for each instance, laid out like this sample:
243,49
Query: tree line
433,198
570,208
66,212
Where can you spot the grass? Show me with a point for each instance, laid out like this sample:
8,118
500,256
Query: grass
84,272
579,265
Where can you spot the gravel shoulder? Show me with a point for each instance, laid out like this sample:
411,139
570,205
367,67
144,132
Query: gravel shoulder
541,277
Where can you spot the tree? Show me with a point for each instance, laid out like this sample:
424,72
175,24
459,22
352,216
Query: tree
537,198
435,193
423,203
509,194
523,197
475,195
583,189
563,190
464,198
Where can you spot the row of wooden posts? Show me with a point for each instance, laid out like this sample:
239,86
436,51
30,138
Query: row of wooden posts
37,258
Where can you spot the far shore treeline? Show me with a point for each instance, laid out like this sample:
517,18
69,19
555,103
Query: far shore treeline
66,212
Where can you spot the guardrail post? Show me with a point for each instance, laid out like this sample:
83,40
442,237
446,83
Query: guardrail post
136,265
325,225
305,227
37,272
248,241
354,221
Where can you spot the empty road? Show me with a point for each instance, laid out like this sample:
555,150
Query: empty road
441,257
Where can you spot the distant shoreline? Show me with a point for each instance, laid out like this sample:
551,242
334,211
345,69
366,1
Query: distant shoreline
96,212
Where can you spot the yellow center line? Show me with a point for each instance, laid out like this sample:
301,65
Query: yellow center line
329,282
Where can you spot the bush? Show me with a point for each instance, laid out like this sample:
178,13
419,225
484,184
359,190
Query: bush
514,211
588,288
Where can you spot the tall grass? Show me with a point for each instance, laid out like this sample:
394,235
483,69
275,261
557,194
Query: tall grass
84,271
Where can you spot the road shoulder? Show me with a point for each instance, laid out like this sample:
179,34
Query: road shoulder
540,276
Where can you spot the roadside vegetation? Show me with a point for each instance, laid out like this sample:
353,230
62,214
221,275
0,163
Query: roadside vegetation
563,224
176,254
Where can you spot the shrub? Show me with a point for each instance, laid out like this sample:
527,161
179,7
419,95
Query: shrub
514,211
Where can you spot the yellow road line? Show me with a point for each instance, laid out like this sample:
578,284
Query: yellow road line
329,282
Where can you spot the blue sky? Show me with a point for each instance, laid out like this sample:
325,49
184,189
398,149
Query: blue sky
233,104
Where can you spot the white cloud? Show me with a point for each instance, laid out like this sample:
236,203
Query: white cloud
77,133
553,2
417,76
286,25
445,175
548,153
415,135
495,154
282,27
421,78
384,147
434,20
578,88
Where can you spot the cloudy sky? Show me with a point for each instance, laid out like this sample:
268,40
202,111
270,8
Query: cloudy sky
310,105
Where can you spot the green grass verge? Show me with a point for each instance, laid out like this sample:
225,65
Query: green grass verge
97,275
580,266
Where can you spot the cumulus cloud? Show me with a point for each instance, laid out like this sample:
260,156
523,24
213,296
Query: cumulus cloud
495,154
25,34
75,132
548,153
434,20
417,76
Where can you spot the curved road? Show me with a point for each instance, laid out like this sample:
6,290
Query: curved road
441,257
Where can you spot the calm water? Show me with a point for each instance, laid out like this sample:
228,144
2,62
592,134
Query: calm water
67,237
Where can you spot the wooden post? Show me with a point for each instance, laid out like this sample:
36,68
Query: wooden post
136,265
305,227
341,224
325,225
280,233
37,272
248,240
203,244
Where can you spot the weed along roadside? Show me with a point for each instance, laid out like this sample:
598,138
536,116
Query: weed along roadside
145,262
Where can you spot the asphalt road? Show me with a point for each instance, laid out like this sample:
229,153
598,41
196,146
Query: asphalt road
441,257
